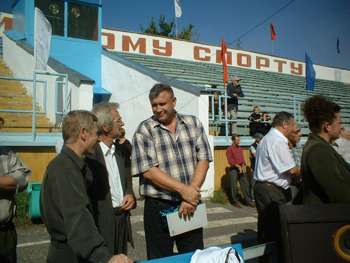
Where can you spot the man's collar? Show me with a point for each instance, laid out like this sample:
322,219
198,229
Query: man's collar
107,150
73,155
279,134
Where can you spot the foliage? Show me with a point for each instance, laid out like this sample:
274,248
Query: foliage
168,29
163,28
239,44
22,217
220,196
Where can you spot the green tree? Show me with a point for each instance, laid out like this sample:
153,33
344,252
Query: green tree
168,29
239,44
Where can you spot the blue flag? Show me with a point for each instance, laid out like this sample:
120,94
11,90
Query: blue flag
338,45
310,73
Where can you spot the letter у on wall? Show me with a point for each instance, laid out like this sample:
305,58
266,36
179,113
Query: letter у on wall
162,51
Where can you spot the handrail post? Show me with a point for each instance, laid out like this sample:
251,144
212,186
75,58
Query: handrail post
66,93
34,107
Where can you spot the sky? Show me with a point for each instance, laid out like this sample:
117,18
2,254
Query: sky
310,26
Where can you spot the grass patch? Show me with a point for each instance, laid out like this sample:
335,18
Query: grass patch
22,217
220,196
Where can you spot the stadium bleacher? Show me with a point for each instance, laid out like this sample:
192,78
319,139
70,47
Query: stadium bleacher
271,91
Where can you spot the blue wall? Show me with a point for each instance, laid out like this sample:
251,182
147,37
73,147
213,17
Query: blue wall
81,55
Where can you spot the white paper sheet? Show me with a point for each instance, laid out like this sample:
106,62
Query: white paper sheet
178,225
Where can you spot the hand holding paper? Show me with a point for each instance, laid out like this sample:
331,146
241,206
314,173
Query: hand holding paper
179,225
186,210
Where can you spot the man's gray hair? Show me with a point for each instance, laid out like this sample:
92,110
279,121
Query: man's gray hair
346,130
104,114
281,117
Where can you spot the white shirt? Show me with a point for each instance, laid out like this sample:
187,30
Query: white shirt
342,146
113,174
58,145
273,160
252,149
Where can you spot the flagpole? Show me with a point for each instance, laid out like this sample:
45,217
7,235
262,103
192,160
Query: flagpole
338,60
271,46
176,26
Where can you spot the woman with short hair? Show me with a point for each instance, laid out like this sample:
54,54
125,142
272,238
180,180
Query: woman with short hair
325,175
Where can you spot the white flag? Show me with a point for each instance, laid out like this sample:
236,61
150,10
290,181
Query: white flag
42,39
178,11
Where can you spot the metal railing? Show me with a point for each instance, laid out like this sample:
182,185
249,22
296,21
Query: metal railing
35,80
295,103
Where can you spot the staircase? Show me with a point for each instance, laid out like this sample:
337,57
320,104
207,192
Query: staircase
13,96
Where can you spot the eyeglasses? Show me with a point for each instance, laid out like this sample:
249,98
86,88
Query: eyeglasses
118,121
296,132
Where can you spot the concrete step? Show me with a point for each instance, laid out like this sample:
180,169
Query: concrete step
27,121
13,96
29,129
4,70
6,105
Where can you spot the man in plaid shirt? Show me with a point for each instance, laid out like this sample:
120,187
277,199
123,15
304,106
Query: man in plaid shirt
171,154
296,151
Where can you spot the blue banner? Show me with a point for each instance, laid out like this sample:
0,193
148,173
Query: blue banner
310,73
338,45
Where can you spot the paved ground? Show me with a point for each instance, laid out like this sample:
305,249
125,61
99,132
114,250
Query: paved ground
227,225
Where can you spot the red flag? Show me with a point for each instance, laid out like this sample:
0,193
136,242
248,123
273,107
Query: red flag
223,59
273,34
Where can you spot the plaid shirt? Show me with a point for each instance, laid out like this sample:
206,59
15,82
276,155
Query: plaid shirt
296,153
177,155
11,165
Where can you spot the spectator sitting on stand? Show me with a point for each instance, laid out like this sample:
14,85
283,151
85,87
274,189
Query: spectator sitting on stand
237,164
255,119
265,127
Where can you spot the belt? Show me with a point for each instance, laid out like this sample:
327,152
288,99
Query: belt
118,210
273,185
170,202
60,245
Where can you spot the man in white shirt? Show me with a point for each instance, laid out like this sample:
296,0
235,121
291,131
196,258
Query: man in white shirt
342,145
111,195
275,170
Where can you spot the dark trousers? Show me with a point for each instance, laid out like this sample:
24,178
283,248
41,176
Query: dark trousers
158,241
121,238
8,243
267,200
243,181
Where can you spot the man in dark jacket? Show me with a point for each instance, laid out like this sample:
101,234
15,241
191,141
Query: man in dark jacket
235,92
64,203
111,194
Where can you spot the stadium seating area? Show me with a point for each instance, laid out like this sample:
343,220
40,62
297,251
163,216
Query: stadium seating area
272,92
